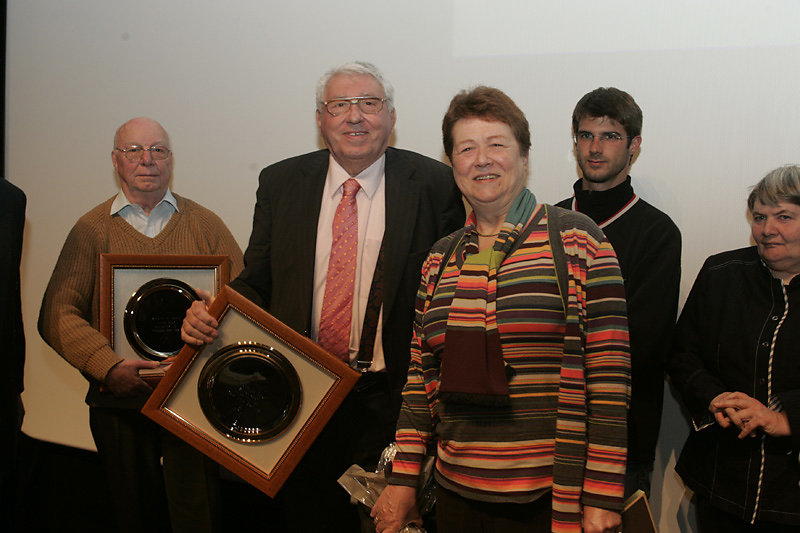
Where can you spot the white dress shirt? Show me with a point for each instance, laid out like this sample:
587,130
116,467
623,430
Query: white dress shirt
148,225
371,201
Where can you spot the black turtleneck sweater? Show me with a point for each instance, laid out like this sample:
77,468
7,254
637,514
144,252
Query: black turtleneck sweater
648,246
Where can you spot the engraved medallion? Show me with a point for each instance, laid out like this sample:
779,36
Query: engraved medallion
249,392
154,315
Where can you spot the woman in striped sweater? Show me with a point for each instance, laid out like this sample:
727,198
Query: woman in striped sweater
519,375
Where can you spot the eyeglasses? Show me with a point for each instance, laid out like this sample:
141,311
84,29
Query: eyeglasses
135,152
611,137
366,104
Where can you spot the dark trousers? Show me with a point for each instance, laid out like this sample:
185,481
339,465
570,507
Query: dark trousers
637,477
456,514
181,496
11,413
713,520
311,500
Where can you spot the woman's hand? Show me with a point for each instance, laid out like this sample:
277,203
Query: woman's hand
396,507
596,520
719,412
750,415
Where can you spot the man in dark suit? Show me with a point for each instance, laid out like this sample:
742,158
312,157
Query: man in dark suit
12,336
405,202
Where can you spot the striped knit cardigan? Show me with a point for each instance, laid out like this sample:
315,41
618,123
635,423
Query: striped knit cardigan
571,487
570,490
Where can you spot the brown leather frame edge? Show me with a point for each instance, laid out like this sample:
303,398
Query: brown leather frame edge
267,482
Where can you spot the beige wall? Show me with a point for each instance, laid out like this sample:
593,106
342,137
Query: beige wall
233,83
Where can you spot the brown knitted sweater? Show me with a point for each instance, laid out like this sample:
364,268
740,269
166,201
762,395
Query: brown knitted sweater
69,318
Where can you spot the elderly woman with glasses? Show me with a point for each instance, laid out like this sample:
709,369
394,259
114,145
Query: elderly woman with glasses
519,370
736,364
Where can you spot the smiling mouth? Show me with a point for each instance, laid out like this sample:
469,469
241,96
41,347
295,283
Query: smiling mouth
486,177
355,133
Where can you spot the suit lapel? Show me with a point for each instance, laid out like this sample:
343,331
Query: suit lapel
305,215
300,226
402,201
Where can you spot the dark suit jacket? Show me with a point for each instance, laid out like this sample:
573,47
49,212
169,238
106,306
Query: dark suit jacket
12,336
422,205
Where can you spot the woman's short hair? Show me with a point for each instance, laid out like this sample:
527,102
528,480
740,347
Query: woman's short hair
779,185
486,103
356,68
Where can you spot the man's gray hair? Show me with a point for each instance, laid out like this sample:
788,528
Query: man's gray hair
779,185
355,68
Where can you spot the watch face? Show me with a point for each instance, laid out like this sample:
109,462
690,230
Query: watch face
154,315
249,392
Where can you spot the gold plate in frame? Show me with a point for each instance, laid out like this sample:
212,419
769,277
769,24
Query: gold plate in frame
153,316
325,381
121,275
249,392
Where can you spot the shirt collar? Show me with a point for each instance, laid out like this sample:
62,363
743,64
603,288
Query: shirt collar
121,201
601,205
369,178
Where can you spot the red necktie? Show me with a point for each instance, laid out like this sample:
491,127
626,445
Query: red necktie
337,303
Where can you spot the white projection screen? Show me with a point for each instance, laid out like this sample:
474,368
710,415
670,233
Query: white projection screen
233,83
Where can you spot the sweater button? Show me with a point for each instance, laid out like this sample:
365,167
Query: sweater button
775,317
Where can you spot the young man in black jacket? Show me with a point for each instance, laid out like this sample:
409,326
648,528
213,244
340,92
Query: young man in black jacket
606,128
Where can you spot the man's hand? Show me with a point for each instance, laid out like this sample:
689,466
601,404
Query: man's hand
750,415
596,520
123,379
198,326
396,507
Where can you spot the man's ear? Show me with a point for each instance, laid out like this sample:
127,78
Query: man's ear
636,143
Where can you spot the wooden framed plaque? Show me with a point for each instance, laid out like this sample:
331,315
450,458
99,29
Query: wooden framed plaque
143,299
254,399
636,515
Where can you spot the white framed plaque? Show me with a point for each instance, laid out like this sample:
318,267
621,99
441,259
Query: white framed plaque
254,399
143,299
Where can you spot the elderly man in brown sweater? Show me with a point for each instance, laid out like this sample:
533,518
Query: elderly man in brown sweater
144,218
